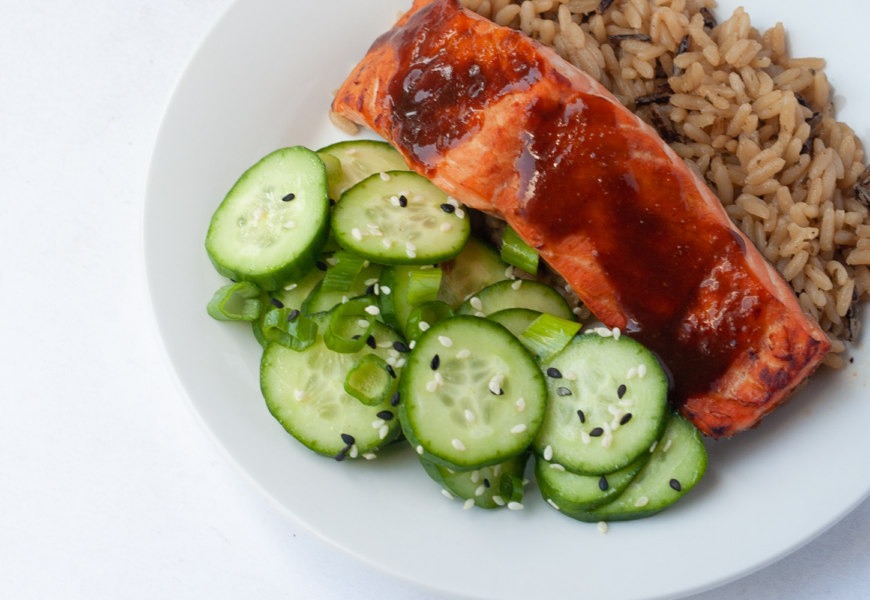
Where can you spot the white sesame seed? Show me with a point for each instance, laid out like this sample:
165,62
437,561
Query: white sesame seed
525,482
494,387
577,310
290,225
496,470
518,428
521,404
517,284
385,177
548,453
460,213
606,428
475,476
439,379
445,227
377,289
602,527
373,310
331,261
627,403
417,199
468,504
411,253
259,213
641,502
498,377
366,264
384,431
291,287
362,323
344,300
350,151
372,226
370,456
469,416
301,395
452,202
371,281
391,361
387,344
447,494
354,451
387,242
479,314
509,272
377,423
377,233
420,450
614,424
667,446
632,373
616,333
570,375
604,332
480,491
426,267
652,447
557,466
400,363
498,500
606,440
432,386
423,325
357,235
585,438
463,353
458,445
412,344
553,504
612,410
515,506
641,371
445,341
568,288
476,304
385,290
410,246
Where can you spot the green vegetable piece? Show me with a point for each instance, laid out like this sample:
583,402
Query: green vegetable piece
548,335
424,285
516,252
429,313
236,302
369,381
289,328
346,334
511,489
333,174
340,278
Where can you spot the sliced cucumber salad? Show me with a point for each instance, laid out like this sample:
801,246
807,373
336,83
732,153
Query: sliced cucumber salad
385,321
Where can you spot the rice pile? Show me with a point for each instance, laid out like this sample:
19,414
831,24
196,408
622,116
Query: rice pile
755,124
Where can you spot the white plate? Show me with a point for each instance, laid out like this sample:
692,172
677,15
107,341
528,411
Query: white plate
261,81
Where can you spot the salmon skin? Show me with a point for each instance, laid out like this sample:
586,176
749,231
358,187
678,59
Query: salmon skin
505,125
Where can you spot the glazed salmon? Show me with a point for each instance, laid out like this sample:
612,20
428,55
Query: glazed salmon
505,125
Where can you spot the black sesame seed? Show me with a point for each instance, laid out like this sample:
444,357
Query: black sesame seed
370,289
391,371
331,202
436,362
676,485
400,347
620,391
293,314
625,418
276,302
289,197
348,439
342,454
602,484
320,265
233,280
394,401
448,208
356,337
597,432
554,373
403,202
852,360
581,415
486,483
563,391
371,342
385,415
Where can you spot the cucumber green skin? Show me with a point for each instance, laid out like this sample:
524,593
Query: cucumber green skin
515,466
476,267
535,296
297,268
623,509
407,427
590,496
387,159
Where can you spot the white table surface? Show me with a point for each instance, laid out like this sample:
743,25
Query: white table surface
108,488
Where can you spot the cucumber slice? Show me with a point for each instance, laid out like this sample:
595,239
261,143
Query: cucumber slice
258,234
292,295
570,493
334,174
520,293
677,465
321,300
489,487
359,160
515,320
477,266
587,377
395,307
463,424
396,218
305,393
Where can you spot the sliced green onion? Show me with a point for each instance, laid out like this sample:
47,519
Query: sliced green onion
429,313
340,278
290,328
514,251
511,488
548,335
369,381
236,302
424,286
345,334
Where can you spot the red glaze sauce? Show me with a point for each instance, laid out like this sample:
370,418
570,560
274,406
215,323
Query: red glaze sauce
680,280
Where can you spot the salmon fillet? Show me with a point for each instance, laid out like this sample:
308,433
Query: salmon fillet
505,125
